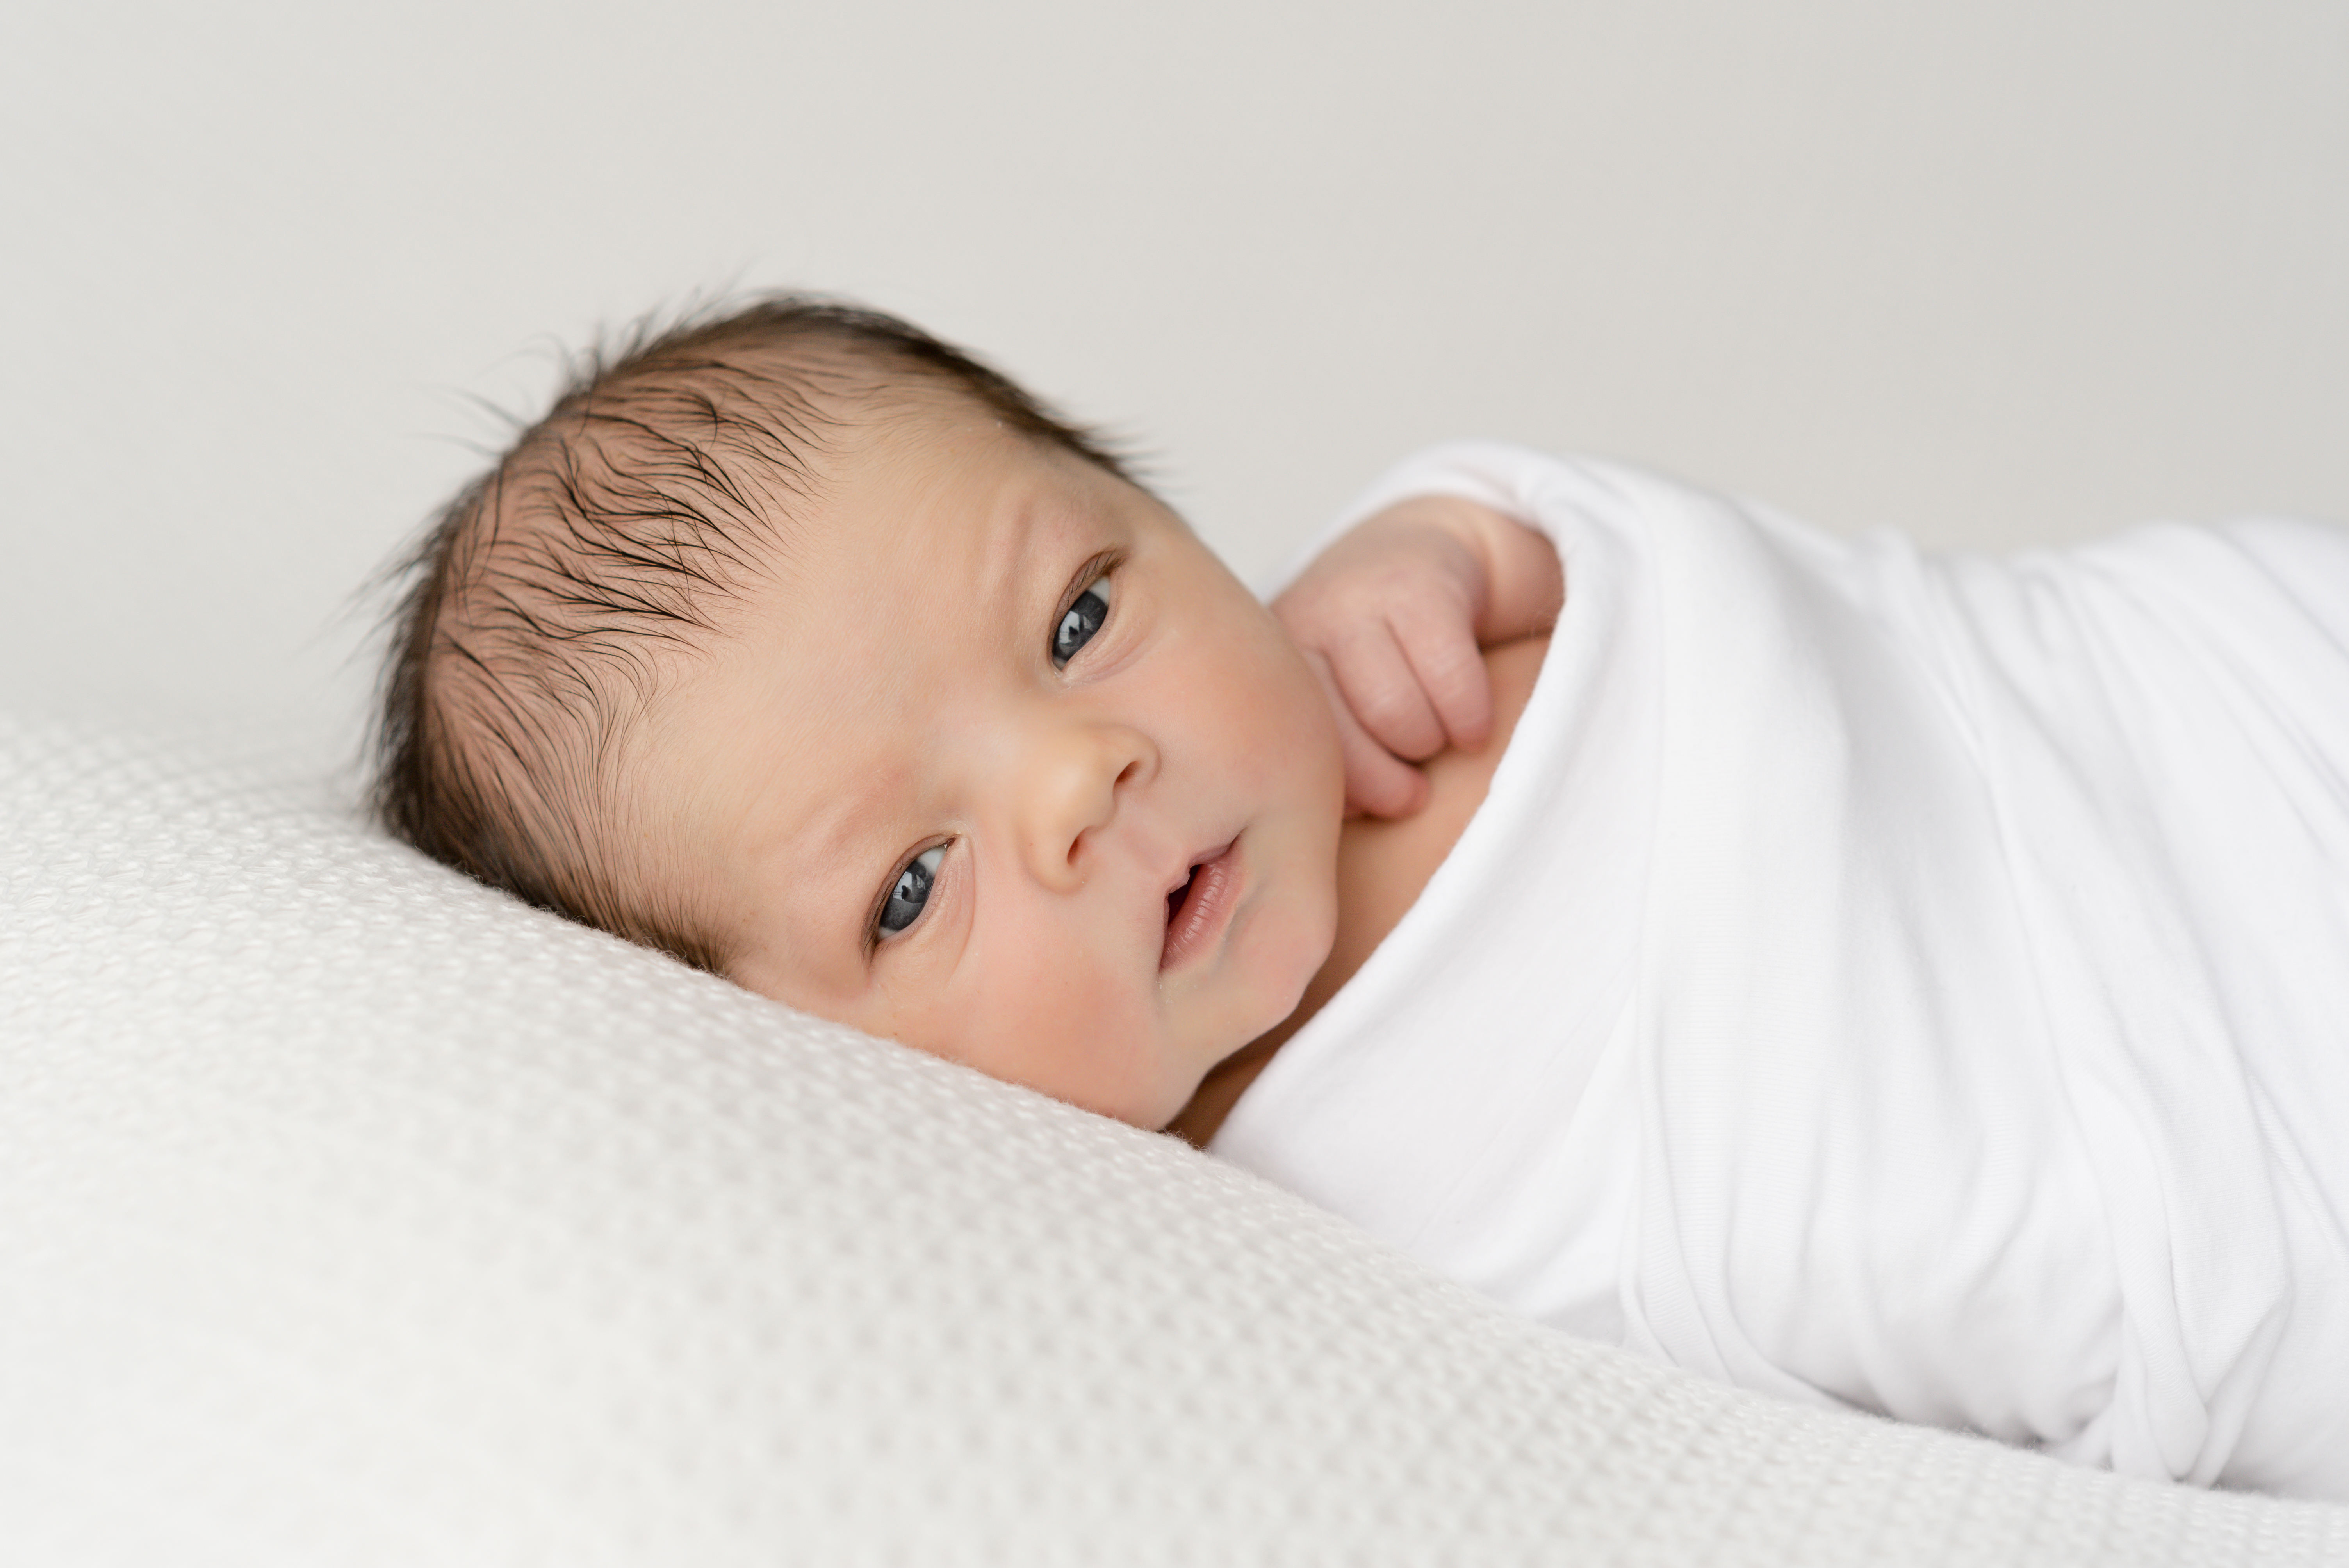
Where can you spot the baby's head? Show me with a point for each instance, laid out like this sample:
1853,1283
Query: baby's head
800,646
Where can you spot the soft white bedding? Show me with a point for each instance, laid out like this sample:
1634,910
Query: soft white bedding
350,1213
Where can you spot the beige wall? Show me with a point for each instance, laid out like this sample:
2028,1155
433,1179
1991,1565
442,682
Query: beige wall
2011,270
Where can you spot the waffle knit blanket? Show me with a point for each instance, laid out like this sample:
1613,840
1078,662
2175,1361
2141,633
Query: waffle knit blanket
352,1214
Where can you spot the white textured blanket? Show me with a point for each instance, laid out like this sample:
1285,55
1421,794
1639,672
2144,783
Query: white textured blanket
352,1214
1919,985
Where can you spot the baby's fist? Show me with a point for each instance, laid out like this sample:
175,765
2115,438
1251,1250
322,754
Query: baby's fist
1388,616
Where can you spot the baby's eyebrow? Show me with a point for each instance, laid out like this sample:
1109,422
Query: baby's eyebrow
827,892
1007,566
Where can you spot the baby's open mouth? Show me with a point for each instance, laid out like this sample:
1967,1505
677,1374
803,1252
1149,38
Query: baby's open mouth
1175,899
1196,909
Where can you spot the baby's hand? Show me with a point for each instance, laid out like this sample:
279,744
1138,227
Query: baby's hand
1394,616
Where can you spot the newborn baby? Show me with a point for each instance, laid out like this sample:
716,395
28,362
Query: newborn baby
802,647
1897,984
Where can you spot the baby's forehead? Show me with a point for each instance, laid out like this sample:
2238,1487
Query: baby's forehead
928,557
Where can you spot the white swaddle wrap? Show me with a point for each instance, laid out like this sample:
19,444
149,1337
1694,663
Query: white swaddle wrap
1915,983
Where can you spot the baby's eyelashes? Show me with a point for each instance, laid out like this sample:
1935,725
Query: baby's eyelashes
911,892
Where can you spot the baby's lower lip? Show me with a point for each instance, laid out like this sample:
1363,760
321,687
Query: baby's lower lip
1206,908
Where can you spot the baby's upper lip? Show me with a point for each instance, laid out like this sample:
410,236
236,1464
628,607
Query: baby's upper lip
1193,862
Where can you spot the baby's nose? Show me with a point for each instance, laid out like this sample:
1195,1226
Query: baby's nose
1075,780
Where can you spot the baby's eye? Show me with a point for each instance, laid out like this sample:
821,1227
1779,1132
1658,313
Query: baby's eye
912,892
1080,621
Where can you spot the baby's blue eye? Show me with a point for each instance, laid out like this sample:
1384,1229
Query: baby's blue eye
912,892
1083,620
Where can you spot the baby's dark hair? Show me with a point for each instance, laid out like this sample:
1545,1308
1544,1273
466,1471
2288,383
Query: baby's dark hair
524,640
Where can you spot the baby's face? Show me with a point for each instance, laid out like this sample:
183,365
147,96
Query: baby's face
1002,763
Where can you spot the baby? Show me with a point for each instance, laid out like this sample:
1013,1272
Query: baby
1806,962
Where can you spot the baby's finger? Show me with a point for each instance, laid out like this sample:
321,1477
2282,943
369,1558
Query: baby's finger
1450,667
1378,783
1383,692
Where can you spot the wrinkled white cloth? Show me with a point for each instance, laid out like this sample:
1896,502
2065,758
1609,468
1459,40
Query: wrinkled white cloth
1912,983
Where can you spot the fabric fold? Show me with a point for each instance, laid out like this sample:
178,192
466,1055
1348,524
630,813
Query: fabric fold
1980,979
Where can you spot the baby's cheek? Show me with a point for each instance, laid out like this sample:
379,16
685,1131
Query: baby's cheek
1061,1017
1280,700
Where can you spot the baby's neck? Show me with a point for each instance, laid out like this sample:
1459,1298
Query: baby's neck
1381,867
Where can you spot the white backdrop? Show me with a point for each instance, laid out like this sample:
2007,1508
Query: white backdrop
2010,270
